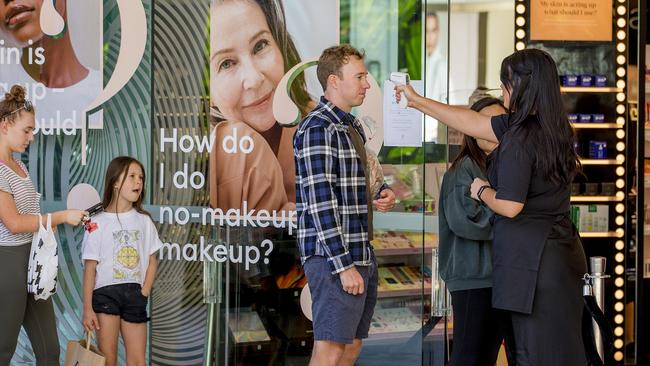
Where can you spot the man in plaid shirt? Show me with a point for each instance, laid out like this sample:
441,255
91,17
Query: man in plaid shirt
333,203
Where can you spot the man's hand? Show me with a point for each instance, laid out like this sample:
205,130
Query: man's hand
352,281
386,200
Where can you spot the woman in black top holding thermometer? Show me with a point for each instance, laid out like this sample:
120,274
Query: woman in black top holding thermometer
538,260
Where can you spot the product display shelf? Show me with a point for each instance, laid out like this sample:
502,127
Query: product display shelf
391,336
599,234
405,228
400,242
596,199
383,294
405,221
377,338
599,161
402,251
595,125
590,89
400,322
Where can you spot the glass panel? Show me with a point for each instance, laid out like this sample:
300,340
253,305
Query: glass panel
179,77
394,44
54,157
481,35
228,290
257,317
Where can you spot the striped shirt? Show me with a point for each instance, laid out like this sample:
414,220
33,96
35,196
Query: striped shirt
25,196
331,189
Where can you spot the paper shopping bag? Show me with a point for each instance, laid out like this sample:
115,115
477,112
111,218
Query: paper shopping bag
82,353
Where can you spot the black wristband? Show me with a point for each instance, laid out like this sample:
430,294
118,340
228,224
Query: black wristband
480,192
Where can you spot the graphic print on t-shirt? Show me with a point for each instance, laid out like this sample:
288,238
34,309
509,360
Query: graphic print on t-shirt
126,259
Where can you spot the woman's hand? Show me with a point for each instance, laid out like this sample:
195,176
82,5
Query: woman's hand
476,185
409,92
74,217
90,321
145,292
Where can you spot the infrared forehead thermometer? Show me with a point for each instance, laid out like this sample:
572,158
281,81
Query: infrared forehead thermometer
400,78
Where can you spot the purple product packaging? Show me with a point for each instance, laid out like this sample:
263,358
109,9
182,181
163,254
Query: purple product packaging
584,118
586,80
598,118
600,80
569,80
597,149
573,117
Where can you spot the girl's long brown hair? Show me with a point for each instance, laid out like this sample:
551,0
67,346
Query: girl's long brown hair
117,167
469,146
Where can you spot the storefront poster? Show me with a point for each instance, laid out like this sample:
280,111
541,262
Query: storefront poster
252,160
571,20
54,50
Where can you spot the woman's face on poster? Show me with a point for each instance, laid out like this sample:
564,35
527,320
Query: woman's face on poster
245,64
21,20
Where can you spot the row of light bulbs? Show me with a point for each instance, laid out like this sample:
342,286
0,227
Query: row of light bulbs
621,110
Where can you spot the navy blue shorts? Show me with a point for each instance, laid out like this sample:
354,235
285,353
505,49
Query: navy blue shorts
337,315
125,300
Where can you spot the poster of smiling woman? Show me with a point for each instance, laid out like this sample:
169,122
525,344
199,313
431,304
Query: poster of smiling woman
54,49
252,159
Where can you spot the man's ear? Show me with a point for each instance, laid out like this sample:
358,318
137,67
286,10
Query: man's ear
333,81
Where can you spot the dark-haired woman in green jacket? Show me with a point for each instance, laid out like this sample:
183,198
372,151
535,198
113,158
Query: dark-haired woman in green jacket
465,261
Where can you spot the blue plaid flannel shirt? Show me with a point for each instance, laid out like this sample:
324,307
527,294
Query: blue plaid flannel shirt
331,190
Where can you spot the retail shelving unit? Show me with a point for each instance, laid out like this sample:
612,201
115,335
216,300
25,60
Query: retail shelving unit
400,246
600,194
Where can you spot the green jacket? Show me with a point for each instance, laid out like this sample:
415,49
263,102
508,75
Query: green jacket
465,231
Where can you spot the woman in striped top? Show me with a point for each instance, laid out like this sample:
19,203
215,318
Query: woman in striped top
20,204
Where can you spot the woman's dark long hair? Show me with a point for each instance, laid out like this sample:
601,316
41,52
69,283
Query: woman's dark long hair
469,147
531,77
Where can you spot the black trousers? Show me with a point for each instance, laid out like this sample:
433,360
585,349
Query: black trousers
479,329
20,309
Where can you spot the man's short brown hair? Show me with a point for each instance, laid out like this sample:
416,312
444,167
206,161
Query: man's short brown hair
332,60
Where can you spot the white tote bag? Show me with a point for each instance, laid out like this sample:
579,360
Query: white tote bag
43,262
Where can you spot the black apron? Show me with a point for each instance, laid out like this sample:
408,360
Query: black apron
517,250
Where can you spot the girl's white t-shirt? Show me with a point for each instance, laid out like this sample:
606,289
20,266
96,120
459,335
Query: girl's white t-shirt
121,244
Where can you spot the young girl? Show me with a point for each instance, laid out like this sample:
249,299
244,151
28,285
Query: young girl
18,221
465,251
120,264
